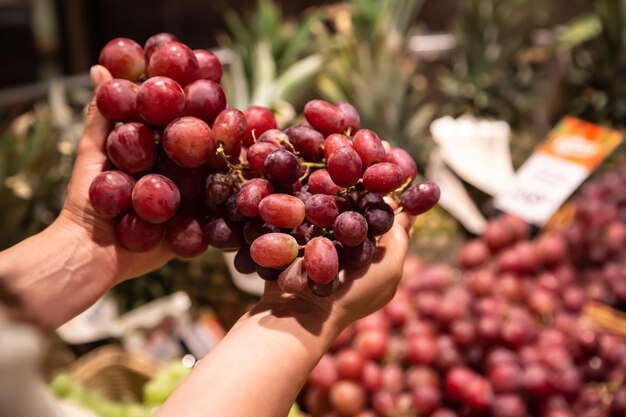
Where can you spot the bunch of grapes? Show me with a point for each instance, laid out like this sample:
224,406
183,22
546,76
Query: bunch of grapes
297,204
504,336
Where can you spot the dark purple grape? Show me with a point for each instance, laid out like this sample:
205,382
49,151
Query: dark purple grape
243,262
379,217
282,167
323,290
307,141
224,235
232,211
268,274
360,255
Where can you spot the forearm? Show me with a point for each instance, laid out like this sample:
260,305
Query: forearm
257,370
55,275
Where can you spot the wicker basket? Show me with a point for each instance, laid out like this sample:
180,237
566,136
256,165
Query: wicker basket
114,373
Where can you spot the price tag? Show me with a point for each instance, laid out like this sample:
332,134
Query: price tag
557,167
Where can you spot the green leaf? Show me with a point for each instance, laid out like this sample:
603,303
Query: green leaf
264,75
289,84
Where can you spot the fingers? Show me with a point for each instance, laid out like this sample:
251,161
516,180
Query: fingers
96,126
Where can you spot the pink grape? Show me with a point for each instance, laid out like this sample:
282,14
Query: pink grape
321,183
321,210
293,279
174,60
165,91
420,198
350,228
124,58
369,147
334,142
110,193
117,100
138,235
344,167
325,374
282,210
205,100
155,198
274,250
251,195
188,141
154,41
324,117
321,260
185,235
274,136
258,120
132,148
402,158
209,66
383,178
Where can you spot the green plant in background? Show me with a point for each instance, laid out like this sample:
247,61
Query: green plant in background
497,65
369,64
270,61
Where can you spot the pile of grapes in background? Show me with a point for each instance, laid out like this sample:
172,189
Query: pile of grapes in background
503,335
297,204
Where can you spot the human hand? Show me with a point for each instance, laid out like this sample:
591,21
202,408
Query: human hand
362,291
78,217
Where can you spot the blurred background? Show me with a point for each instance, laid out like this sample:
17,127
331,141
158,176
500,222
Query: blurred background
402,63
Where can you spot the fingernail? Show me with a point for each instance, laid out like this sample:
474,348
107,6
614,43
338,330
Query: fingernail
96,75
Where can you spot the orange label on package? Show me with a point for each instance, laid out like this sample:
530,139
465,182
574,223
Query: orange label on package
572,150
581,142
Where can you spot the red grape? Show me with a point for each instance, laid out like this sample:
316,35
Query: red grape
167,93
369,147
426,400
154,41
209,66
117,100
508,405
345,167
350,228
324,117
205,100
110,193
334,142
132,148
155,198
420,198
190,182
257,154
138,235
258,120
372,377
321,183
124,58
324,375
474,253
323,290
174,60
360,255
347,398
185,235
372,344
188,141
401,158
321,210
251,195
383,178
350,364
422,350
351,115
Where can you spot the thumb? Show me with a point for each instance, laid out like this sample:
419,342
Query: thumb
96,126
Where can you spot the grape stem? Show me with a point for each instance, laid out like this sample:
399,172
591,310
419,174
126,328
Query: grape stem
404,186
313,164
304,176
288,144
222,154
